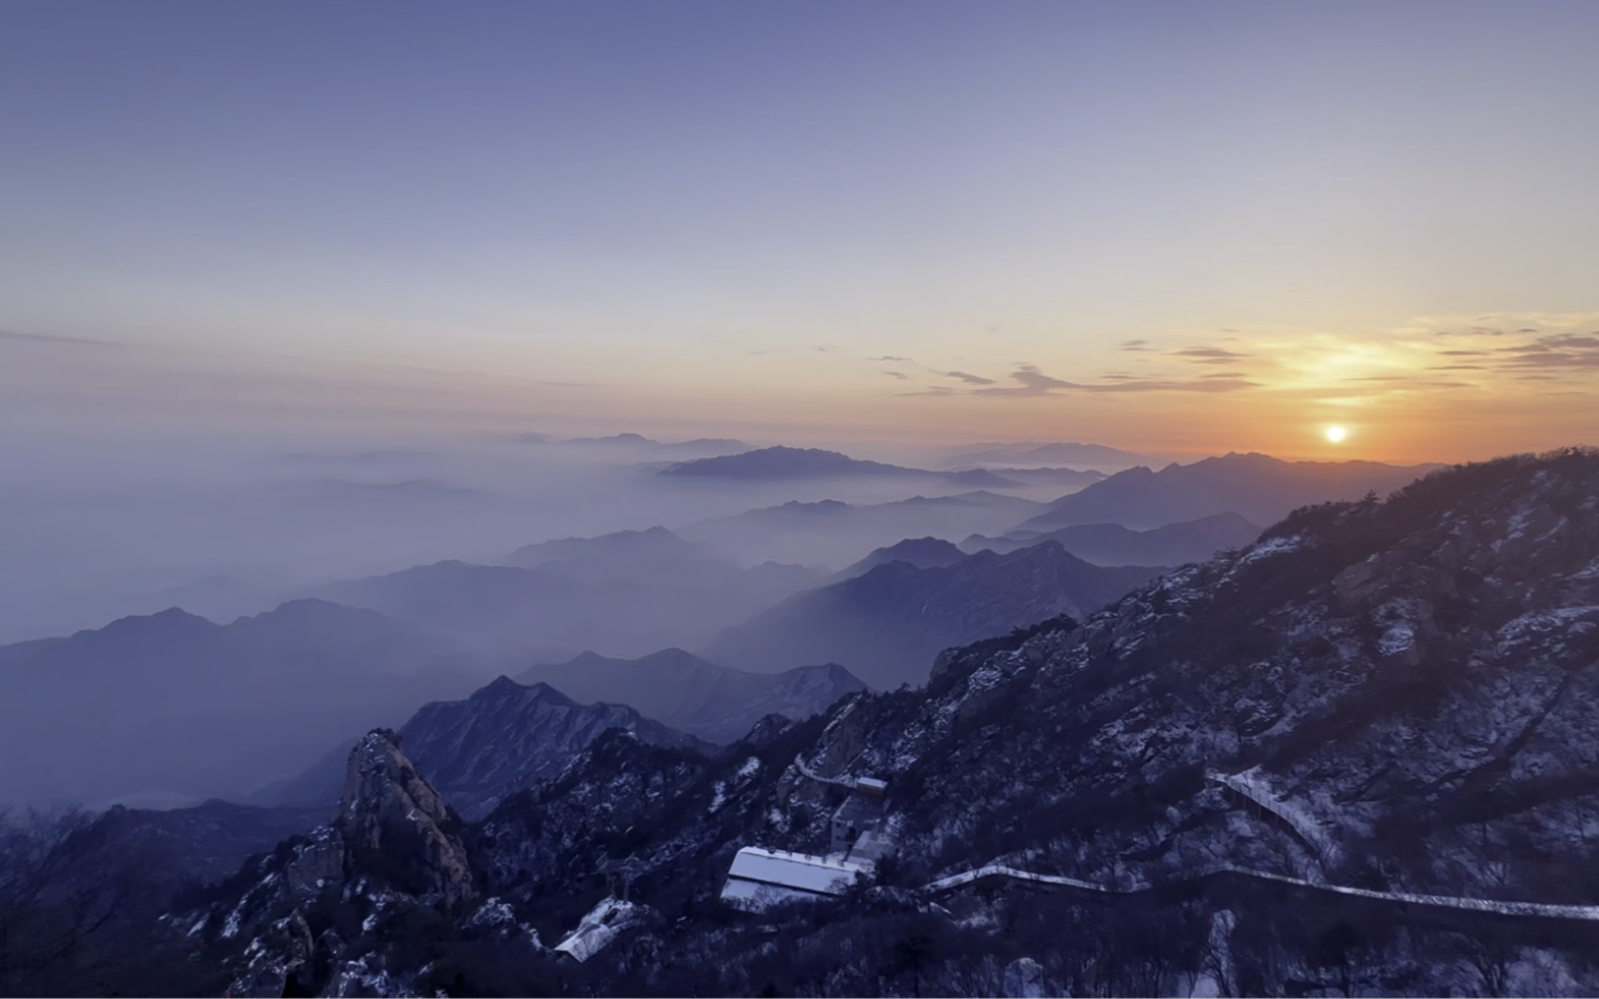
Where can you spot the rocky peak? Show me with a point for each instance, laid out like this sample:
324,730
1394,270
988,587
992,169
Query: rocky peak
392,819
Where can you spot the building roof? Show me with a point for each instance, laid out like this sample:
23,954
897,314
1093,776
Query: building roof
798,871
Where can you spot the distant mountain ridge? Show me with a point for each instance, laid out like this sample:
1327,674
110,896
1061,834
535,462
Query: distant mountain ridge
887,625
835,533
173,707
698,447
695,696
923,553
1258,487
1112,544
1072,453
627,593
777,464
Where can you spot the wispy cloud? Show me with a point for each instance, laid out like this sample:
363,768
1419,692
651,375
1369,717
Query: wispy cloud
11,336
1033,382
961,376
1209,355
1561,350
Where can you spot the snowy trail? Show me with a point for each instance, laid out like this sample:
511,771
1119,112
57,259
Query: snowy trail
1588,913
799,761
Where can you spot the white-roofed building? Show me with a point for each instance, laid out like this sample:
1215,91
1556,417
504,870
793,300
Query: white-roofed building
759,877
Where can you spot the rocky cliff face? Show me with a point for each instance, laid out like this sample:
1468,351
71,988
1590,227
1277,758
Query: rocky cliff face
390,817
394,849
503,738
507,736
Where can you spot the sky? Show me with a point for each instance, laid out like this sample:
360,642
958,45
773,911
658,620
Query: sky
1176,228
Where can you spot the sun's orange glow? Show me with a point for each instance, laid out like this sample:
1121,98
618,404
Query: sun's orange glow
1336,434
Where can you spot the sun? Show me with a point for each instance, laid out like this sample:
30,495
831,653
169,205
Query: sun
1336,434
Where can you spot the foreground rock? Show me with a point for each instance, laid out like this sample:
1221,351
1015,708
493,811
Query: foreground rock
287,922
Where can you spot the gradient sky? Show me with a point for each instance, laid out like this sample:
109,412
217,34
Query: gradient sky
1170,227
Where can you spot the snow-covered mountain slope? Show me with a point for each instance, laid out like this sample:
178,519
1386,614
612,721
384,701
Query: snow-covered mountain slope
1416,682
1395,697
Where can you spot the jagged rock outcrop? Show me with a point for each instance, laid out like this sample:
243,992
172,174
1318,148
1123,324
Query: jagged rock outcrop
394,847
392,819
503,738
507,736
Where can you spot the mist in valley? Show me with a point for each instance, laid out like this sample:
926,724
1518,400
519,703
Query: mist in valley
278,597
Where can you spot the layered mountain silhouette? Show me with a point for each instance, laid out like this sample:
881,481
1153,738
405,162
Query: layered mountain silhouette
834,533
1045,476
627,593
619,555
1113,544
698,447
1356,756
886,625
696,696
1075,455
1260,488
778,464
170,707
923,553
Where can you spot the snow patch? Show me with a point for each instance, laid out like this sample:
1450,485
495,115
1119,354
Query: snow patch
602,925
1272,548
1398,638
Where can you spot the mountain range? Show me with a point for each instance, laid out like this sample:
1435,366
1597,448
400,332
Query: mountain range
512,733
1257,487
887,624
1354,757
1113,544
779,464
695,696
173,708
834,533
923,553
698,447
1090,456
627,593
